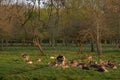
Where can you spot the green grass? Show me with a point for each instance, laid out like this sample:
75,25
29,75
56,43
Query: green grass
13,67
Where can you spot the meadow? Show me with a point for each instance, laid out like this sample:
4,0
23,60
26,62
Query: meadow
13,67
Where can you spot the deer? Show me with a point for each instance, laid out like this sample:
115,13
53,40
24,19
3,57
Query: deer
112,64
74,63
88,58
52,57
61,60
102,68
83,66
27,58
39,59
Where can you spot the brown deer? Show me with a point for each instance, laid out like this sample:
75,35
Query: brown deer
54,64
74,63
52,57
61,60
112,64
102,68
39,59
29,62
88,58
83,66
27,58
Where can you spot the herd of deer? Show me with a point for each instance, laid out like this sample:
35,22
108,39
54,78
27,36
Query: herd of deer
84,63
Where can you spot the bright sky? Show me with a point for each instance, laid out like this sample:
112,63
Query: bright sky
29,1
24,1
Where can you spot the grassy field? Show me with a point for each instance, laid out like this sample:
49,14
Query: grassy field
13,67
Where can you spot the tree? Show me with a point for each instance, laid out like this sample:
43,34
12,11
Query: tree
112,11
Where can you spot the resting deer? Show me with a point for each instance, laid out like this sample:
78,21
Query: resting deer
39,59
29,62
52,57
102,68
74,63
83,66
87,58
112,64
27,58
61,60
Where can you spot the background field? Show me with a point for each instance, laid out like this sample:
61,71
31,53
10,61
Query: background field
13,67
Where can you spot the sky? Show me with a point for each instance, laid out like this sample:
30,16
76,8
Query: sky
28,1
24,1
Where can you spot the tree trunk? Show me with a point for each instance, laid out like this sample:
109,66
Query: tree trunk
119,33
2,42
118,43
98,41
80,46
53,43
50,43
92,46
23,42
63,42
6,43
105,41
37,44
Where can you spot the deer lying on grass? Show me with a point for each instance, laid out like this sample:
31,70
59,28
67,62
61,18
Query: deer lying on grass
60,61
109,64
74,63
83,66
39,59
27,58
52,57
100,66
88,58
112,64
